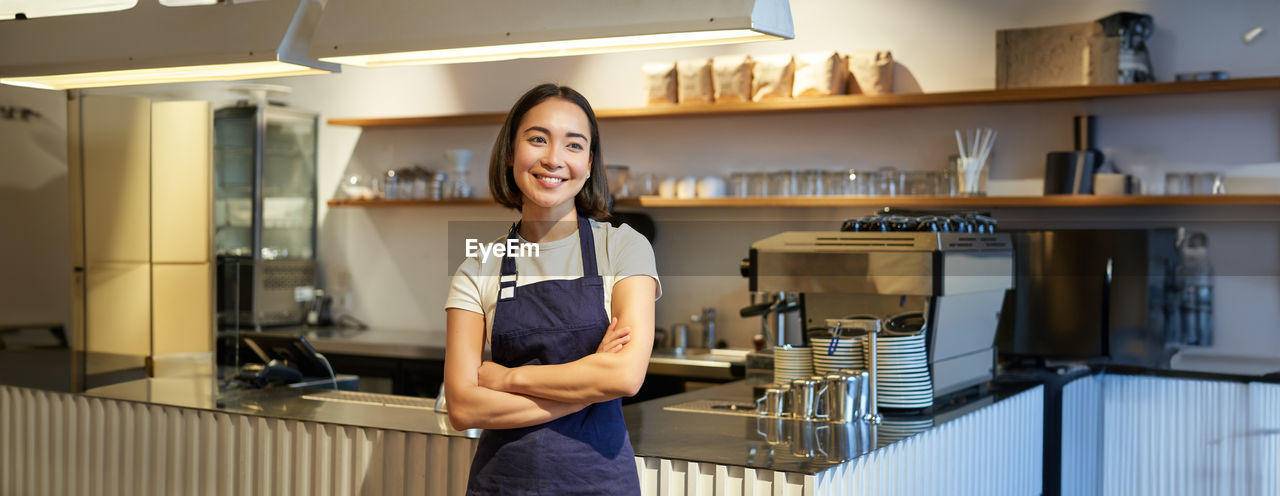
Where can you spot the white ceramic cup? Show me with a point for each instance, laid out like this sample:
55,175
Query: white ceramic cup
687,187
711,187
667,188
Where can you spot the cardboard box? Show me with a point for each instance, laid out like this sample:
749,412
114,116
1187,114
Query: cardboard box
1066,55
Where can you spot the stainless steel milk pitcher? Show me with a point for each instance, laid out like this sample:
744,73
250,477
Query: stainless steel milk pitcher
806,398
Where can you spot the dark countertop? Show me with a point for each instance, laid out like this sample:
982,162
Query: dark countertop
770,443
655,431
429,345
197,392
58,369
374,342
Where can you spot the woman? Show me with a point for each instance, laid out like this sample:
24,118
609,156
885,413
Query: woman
549,401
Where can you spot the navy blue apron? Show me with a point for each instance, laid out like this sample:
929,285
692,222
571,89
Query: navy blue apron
554,322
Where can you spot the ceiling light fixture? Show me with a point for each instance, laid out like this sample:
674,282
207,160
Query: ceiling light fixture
376,33
152,43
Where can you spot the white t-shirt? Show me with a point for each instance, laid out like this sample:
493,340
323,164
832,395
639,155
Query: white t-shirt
621,252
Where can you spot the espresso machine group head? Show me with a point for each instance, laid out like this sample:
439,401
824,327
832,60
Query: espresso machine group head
955,281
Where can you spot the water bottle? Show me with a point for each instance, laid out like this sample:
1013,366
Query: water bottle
1196,283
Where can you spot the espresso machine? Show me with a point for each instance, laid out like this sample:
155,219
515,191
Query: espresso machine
955,282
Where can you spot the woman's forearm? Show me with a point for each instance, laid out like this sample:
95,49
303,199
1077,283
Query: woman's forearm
477,407
592,379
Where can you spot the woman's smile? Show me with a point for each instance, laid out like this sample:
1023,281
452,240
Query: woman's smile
550,181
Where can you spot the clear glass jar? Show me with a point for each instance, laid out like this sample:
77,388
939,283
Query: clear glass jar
390,186
738,184
438,182
404,183
758,184
856,183
834,182
808,183
357,186
920,183
783,183
890,181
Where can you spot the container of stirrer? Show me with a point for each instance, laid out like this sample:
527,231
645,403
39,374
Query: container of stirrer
975,149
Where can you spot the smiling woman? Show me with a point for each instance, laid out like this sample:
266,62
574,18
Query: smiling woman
550,137
570,329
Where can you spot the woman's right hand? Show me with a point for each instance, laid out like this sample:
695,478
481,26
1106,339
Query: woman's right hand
614,338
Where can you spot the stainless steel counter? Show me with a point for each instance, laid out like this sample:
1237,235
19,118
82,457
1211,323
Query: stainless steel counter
780,444
67,371
722,365
382,343
197,392
775,444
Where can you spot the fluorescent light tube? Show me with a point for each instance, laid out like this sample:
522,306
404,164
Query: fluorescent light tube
219,72
555,48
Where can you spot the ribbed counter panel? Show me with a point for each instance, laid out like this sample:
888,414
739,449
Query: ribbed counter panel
663,477
1082,436
997,450
56,443
1140,434
1264,438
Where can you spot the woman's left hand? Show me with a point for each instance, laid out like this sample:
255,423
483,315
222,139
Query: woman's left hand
492,376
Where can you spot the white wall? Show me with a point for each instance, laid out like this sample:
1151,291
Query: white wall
390,260
35,236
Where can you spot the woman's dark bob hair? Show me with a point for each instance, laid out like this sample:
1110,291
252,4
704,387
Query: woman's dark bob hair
593,200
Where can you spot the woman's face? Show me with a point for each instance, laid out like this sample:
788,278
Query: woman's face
552,153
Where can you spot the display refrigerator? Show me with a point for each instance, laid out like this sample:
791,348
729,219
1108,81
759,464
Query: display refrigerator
265,214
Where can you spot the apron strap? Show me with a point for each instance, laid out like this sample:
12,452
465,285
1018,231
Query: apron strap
587,240
507,276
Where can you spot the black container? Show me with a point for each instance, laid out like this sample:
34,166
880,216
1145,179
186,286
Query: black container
1071,173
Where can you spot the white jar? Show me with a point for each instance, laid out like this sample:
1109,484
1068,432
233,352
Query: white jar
711,187
687,187
667,188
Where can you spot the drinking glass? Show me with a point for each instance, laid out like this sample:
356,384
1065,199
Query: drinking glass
809,183
1176,183
919,183
970,175
871,183
834,182
390,184
948,184
890,181
782,183
739,184
757,184
1206,183
855,183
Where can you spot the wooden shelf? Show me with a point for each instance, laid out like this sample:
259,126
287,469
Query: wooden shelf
855,102
1077,201
411,203
1056,201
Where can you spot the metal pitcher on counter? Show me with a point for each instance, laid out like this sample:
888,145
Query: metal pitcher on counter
848,395
841,391
807,398
775,402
